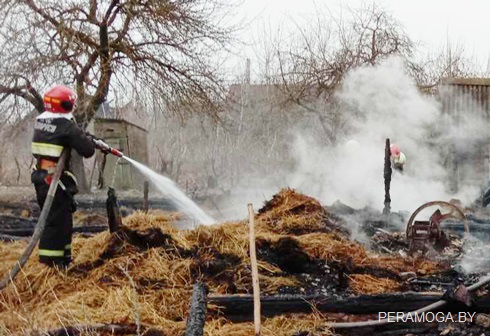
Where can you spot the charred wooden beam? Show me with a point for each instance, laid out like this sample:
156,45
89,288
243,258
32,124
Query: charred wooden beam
8,238
24,231
113,212
12,222
30,205
240,307
393,329
113,329
197,313
146,187
94,203
130,203
387,178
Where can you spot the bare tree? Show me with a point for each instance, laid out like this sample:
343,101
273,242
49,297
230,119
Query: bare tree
451,61
163,48
301,71
313,63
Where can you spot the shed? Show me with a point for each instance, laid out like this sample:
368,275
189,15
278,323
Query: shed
125,136
466,101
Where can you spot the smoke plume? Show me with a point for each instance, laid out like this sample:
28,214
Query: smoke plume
381,102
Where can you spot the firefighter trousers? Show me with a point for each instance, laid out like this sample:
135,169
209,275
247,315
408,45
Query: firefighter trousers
55,241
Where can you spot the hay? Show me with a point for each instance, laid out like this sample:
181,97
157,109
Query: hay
368,284
289,212
398,264
87,219
162,220
227,238
288,324
160,264
289,202
332,247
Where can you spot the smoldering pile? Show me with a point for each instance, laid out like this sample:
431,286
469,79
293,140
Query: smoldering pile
143,275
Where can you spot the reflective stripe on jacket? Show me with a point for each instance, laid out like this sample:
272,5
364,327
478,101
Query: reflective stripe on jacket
54,131
51,253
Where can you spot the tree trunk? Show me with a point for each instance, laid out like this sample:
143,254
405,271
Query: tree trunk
78,168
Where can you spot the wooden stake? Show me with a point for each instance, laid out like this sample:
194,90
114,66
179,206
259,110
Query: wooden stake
197,313
114,217
387,178
145,196
255,271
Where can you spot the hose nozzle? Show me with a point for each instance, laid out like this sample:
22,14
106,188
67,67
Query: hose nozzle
106,149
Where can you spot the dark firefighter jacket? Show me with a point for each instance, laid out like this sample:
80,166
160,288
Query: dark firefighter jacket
53,132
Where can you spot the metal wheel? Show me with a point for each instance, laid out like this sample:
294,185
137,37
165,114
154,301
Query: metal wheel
454,212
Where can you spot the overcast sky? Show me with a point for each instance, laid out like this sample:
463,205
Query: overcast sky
429,22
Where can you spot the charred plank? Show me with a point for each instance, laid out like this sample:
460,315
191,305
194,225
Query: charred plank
197,313
240,307
113,212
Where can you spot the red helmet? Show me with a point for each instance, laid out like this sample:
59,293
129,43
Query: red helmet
59,99
395,150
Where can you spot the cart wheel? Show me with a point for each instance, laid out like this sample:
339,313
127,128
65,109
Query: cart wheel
453,212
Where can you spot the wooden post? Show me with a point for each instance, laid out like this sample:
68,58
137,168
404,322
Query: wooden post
387,177
197,313
255,271
113,213
145,196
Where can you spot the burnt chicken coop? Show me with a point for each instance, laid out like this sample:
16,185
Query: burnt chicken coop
465,106
128,137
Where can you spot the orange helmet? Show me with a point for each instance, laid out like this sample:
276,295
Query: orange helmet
59,99
395,150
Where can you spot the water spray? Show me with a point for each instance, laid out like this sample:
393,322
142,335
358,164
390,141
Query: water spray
163,184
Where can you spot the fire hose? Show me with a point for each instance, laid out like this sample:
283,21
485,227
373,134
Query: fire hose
341,325
41,223
99,144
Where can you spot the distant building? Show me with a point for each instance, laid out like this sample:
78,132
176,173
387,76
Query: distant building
466,107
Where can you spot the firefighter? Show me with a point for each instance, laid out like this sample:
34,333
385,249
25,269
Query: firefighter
54,130
398,158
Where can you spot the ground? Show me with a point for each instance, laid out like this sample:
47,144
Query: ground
142,276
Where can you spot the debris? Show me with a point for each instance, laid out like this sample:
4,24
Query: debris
483,320
446,331
408,275
301,248
392,241
427,237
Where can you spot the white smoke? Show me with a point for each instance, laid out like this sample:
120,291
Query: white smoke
382,102
475,257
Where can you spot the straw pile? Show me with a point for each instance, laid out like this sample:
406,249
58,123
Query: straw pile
144,274
289,212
